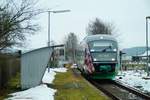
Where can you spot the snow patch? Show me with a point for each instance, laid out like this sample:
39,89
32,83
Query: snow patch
59,69
135,79
41,92
49,76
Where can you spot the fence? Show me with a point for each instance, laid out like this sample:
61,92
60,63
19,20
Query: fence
9,66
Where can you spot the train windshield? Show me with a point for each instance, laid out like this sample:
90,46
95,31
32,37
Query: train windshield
102,46
104,56
103,50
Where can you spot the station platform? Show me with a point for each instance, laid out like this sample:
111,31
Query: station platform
72,86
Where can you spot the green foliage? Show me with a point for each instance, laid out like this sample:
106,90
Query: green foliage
53,63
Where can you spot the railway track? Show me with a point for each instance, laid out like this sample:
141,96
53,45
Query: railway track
119,91
116,90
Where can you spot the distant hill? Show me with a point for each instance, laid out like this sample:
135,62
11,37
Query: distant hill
134,51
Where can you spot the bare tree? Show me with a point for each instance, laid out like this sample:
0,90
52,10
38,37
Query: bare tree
16,22
71,46
99,27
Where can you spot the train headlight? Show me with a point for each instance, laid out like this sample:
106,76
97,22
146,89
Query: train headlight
101,37
92,50
95,59
114,49
113,59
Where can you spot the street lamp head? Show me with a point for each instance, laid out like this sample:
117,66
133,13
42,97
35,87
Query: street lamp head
60,11
147,17
56,11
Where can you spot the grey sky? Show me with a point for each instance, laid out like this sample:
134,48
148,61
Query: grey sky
128,16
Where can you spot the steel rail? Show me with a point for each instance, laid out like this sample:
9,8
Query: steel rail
96,85
120,85
109,94
131,89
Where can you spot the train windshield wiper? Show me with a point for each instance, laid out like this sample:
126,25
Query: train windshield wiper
104,50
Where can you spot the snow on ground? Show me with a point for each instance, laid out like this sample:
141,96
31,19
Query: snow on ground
135,79
41,92
74,66
50,75
59,69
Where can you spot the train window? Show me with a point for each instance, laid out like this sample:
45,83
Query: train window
104,56
101,44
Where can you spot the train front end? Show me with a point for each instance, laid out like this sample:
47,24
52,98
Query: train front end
105,58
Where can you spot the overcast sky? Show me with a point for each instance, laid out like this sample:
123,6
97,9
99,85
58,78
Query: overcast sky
128,16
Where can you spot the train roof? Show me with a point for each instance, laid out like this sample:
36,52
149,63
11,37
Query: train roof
99,37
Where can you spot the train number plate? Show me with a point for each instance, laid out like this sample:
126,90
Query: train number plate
105,68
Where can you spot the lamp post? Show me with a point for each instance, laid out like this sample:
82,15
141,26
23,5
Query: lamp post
147,69
57,11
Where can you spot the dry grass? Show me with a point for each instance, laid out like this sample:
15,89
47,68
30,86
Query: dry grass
12,86
71,87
